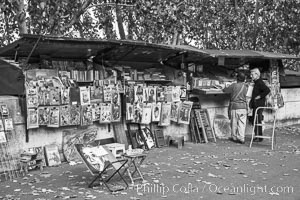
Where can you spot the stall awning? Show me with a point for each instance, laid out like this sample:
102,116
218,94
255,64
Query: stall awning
108,50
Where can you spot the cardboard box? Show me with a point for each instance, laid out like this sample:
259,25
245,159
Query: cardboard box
117,149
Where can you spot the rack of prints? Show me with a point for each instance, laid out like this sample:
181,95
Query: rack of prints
53,104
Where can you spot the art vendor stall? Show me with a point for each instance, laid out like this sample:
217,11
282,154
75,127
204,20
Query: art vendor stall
79,91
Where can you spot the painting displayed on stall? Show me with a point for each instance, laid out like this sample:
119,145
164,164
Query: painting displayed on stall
85,98
55,96
146,115
83,136
8,124
96,112
152,94
168,93
165,114
176,93
145,94
183,93
32,118
4,110
32,97
52,155
160,94
1,125
174,111
65,96
74,115
2,137
130,93
138,93
107,93
105,113
129,111
115,106
53,116
156,110
97,93
64,115
86,115
185,112
137,112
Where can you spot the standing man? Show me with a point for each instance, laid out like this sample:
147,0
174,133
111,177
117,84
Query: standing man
238,108
258,99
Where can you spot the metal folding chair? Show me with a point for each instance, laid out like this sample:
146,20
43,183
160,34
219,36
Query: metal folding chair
111,164
255,123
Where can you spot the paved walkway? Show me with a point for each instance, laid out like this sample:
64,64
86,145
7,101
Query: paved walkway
222,170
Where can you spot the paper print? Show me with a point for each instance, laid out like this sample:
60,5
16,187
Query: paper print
53,116
65,95
105,113
96,112
165,114
74,115
52,155
156,110
8,124
32,118
160,96
176,93
168,91
4,110
137,112
2,137
85,98
130,93
184,112
64,113
146,115
129,111
116,106
75,95
107,93
145,94
138,93
1,125
86,115
152,94
55,96
174,111
43,116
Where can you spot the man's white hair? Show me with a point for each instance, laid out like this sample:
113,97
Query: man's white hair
256,71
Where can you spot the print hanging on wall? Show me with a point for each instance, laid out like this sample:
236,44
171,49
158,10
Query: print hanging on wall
146,116
32,97
160,96
32,118
168,92
174,111
129,111
2,137
137,112
64,115
116,106
65,95
43,115
138,93
165,114
105,113
156,110
176,93
107,93
53,116
74,115
185,112
95,112
8,124
85,96
152,94
4,110
145,94
1,125
130,93
55,96
86,115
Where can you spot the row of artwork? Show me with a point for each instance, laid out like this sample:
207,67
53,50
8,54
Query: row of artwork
56,94
161,112
151,94
69,115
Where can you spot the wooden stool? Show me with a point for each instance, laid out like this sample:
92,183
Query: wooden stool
26,165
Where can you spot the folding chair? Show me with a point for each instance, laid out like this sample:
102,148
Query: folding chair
111,163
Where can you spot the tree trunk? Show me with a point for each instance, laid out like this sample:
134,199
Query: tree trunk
120,22
255,24
21,17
